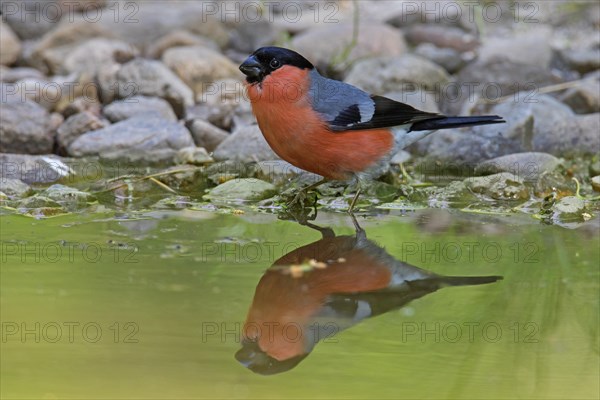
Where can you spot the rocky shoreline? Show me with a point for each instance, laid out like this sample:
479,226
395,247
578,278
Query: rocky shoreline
147,110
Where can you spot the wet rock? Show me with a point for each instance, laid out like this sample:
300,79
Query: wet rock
50,52
581,60
137,158
451,60
554,181
455,194
12,75
66,195
277,171
153,78
595,183
242,189
583,98
14,187
138,133
206,134
223,171
442,36
76,126
502,186
245,144
133,106
199,66
33,169
184,178
25,127
10,45
527,166
494,78
569,209
387,74
193,155
374,40
178,38
95,54
38,201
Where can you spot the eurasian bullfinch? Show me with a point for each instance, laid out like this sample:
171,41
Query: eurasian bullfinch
317,290
329,127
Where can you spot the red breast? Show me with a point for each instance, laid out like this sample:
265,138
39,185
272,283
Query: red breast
297,134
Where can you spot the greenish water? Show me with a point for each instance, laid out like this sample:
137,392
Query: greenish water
111,306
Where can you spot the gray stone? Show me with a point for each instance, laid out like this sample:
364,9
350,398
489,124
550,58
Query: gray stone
138,133
140,157
178,38
199,66
193,155
324,46
569,209
12,75
34,169
494,78
220,115
65,194
502,186
245,144
278,171
580,60
14,187
149,21
82,104
387,74
450,59
596,183
578,135
133,106
528,166
153,78
75,126
442,36
95,54
246,189
10,45
583,98
25,127
27,18
530,46
50,52
206,134
38,201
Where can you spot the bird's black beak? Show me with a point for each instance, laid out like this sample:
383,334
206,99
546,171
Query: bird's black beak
252,69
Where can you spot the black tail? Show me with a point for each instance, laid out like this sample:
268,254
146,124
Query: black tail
455,122
468,280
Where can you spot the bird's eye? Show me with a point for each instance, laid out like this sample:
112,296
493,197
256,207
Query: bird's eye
275,63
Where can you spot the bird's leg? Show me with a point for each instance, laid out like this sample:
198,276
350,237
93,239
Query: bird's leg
354,200
302,192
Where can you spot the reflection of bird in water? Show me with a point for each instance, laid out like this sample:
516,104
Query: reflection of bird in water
327,286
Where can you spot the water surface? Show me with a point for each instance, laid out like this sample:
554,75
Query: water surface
151,305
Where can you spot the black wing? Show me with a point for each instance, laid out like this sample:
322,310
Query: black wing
388,113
